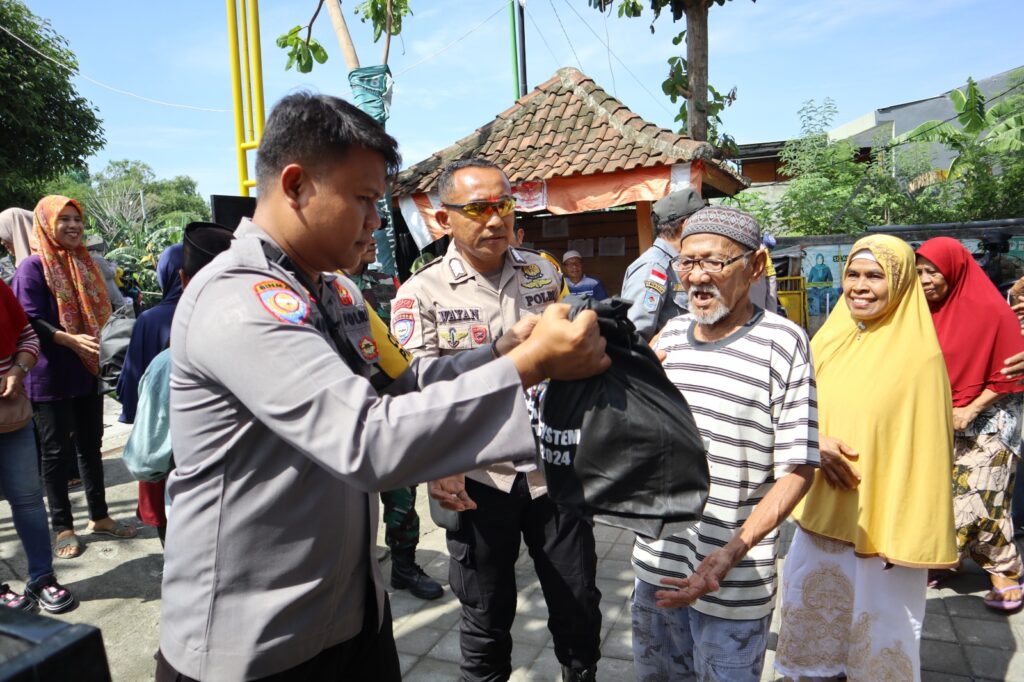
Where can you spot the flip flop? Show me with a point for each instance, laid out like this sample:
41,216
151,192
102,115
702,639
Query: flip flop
1005,604
118,530
70,541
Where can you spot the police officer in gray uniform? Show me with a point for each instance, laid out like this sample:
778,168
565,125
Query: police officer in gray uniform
477,291
285,420
652,286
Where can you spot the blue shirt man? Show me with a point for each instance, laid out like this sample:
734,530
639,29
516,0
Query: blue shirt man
650,283
578,283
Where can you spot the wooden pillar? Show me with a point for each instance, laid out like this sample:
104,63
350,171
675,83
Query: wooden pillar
644,226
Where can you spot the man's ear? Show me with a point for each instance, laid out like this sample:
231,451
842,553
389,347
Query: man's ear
759,262
184,278
295,183
442,216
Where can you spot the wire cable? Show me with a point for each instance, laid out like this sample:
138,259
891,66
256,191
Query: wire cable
608,44
608,47
465,35
542,38
75,72
566,34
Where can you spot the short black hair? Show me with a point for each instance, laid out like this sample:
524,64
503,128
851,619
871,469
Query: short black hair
308,128
201,243
446,181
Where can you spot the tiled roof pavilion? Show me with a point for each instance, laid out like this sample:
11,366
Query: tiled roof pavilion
569,126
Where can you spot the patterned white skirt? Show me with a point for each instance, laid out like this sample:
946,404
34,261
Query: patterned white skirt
846,615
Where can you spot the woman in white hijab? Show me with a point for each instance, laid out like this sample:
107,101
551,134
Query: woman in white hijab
16,232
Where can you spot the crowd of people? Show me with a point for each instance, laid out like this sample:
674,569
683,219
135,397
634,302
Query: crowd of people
891,438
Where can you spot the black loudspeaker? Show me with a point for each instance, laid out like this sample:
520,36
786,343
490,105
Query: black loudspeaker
34,648
229,210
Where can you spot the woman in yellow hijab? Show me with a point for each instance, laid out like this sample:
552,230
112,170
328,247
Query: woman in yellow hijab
880,512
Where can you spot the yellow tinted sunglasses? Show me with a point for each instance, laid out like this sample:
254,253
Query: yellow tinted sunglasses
479,210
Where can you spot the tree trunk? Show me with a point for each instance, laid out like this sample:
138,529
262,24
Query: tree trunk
697,68
348,50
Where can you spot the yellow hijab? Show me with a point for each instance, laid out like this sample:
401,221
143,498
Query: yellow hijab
883,390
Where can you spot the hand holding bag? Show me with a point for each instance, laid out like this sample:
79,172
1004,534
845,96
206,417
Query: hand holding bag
15,412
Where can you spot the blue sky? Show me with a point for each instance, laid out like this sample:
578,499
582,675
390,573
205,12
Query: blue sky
778,53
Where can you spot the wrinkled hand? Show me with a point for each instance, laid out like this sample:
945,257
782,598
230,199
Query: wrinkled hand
560,349
11,386
451,493
519,332
661,355
707,578
834,465
963,416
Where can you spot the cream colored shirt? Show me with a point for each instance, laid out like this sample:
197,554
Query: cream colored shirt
448,307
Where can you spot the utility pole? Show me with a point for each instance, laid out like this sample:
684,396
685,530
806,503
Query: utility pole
515,52
523,88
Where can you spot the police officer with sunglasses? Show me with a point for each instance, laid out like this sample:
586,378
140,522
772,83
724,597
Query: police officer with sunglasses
476,292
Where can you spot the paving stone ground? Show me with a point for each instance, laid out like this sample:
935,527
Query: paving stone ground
118,583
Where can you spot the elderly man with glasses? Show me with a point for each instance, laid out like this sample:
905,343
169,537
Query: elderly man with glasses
703,598
484,287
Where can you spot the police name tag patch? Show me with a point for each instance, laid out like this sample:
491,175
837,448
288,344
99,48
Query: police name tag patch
281,302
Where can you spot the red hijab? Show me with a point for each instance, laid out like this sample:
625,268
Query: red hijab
976,328
12,321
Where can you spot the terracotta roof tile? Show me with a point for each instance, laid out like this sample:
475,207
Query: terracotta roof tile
567,125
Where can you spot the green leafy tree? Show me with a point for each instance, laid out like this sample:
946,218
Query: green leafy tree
385,16
688,76
136,213
46,127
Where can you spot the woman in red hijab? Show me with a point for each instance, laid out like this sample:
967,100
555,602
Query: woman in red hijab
977,332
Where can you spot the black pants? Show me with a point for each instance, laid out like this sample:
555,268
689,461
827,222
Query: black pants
70,429
482,575
370,655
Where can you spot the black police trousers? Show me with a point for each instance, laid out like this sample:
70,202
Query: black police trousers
482,575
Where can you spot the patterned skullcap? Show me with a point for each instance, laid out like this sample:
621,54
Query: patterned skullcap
729,222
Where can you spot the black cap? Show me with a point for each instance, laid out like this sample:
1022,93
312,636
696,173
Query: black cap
677,205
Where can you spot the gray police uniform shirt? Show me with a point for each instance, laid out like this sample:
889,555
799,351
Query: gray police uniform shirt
654,288
279,444
447,308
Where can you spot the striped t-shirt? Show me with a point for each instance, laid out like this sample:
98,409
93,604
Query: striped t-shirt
753,398
27,342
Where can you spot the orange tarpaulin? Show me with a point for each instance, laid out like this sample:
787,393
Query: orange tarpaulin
574,194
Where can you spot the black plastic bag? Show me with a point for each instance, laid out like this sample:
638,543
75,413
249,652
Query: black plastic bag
623,446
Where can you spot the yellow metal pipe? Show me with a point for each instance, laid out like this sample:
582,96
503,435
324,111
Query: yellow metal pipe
236,91
257,65
252,144
246,71
249,183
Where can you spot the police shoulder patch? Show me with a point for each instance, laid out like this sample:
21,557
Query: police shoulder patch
653,285
651,301
280,301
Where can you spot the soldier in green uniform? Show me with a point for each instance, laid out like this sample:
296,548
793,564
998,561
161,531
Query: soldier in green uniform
401,522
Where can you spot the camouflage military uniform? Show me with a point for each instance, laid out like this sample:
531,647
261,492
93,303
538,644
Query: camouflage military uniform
401,522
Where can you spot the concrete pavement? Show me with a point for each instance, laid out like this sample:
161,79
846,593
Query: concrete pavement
118,585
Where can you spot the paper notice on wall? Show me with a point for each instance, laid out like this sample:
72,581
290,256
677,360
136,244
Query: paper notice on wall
555,227
584,246
611,246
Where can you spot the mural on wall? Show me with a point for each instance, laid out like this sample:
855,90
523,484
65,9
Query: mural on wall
822,268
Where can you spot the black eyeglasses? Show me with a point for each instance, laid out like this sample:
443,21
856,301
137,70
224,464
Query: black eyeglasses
478,210
710,265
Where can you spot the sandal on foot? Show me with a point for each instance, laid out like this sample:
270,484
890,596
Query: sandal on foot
1005,604
51,595
119,530
70,541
